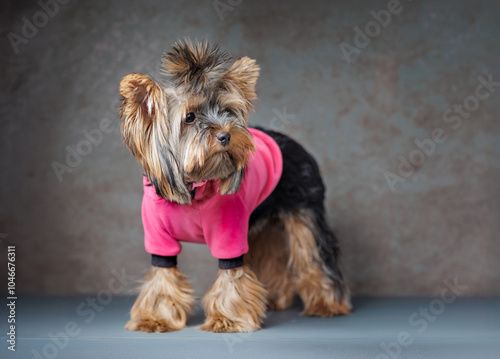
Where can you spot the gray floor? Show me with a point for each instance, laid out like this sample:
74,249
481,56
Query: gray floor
424,327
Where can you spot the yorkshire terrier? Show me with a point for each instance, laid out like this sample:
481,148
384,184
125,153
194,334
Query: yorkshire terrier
253,195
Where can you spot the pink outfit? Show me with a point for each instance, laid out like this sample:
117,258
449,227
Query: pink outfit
220,221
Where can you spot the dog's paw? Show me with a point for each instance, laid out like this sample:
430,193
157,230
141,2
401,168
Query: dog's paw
327,308
220,324
236,303
152,326
281,300
164,301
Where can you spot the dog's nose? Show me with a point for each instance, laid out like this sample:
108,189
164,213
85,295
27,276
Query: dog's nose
223,138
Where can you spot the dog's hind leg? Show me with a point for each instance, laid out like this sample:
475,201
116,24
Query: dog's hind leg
268,257
316,276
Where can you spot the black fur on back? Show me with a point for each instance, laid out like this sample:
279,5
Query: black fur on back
301,188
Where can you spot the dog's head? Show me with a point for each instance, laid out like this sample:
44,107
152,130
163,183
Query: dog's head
193,128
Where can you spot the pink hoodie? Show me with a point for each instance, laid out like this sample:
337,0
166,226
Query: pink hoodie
219,221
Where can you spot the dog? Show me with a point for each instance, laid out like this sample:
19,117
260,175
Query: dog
253,195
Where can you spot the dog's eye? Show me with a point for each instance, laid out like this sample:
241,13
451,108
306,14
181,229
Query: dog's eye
190,117
230,112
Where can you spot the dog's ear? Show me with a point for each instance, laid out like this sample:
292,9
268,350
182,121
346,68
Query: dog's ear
148,135
244,74
142,102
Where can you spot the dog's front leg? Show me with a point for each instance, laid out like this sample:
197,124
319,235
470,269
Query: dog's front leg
236,303
165,299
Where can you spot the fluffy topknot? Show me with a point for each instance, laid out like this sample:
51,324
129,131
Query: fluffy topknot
195,64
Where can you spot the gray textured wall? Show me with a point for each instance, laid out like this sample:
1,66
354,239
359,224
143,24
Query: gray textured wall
437,221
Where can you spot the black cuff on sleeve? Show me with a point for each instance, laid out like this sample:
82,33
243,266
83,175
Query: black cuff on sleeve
231,263
162,261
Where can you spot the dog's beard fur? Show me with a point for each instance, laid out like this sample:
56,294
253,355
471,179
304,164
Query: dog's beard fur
174,153
205,158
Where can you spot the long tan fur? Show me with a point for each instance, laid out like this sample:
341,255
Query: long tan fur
269,257
284,255
314,286
236,303
165,299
